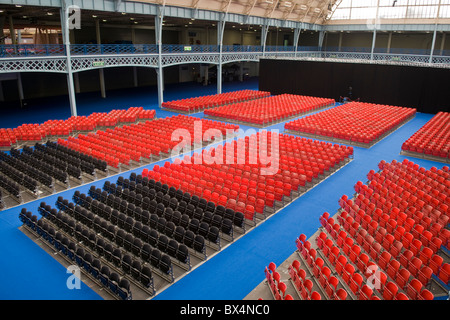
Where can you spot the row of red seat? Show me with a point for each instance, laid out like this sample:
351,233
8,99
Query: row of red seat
271,109
357,122
366,266
231,174
432,139
141,140
412,229
277,286
56,128
198,104
387,241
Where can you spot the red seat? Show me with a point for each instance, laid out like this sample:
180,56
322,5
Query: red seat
414,288
390,291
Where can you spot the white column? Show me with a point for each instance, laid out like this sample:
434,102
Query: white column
66,40
159,70
220,31
374,39
100,71
296,38
389,43
433,43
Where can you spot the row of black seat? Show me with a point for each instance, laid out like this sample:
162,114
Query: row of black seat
174,200
154,230
42,166
161,218
18,177
86,161
72,161
42,156
100,271
106,238
10,186
27,169
150,188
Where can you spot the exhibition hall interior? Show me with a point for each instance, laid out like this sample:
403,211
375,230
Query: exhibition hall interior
249,150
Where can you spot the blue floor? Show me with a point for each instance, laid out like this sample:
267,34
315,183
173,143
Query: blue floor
27,272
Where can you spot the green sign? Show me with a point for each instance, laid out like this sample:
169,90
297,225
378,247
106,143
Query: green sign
187,48
98,63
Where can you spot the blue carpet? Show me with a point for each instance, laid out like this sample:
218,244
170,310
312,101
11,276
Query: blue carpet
28,272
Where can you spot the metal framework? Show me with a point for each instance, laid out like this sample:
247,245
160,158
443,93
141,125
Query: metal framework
299,14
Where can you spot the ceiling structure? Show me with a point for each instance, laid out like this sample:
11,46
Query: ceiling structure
287,13
307,11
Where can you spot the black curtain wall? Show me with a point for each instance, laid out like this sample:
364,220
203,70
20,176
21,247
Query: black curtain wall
426,89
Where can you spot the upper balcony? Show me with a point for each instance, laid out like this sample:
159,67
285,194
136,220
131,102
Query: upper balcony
53,58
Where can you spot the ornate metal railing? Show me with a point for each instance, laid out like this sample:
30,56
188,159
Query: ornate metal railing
53,58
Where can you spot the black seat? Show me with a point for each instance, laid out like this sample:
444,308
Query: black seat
104,274
146,252
170,229
145,232
188,239
207,217
172,248
199,243
124,290
145,216
163,241
137,246
213,234
95,268
165,264
128,242
178,235
113,282
168,214
136,268
216,221
117,257
203,229
137,227
155,258
126,263
176,217
161,224
87,262
227,226
194,225
120,237
146,277
153,238
182,253
238,219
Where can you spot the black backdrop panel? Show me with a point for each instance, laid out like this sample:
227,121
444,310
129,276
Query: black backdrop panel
426,89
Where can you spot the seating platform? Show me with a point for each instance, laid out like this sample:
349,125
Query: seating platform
356,123
232,174
268,111
389,241
431,141
29,134
202,103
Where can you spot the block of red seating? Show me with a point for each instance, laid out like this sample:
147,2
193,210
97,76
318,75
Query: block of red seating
269,110
56,128
233,174
360,123
396,224
197,104
431,140
120,145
